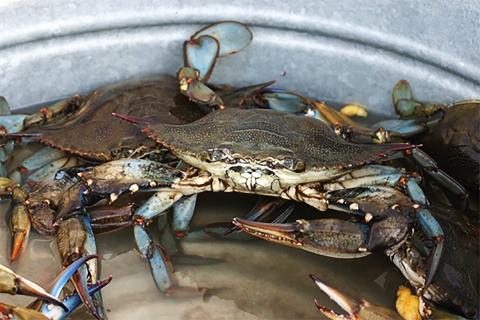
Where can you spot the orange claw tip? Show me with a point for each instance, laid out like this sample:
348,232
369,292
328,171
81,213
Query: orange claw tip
181,234
16,248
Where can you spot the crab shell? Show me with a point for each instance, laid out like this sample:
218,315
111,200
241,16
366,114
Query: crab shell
94,134
454,143
289,149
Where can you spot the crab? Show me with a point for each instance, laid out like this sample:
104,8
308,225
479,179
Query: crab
84,120
93,135
386,131
407,306
275,154
454,286
451,140
82,127
277,171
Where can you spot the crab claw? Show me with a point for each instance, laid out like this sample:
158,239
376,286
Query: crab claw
267,210
328,237
72,301
14,284
20,227
75,239
59,282
62,278
18,313
356,310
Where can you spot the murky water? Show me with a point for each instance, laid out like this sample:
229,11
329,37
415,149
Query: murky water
256,280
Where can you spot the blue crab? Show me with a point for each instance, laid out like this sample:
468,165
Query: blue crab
462,146
271,153
453,139
454,286
72,125
276,171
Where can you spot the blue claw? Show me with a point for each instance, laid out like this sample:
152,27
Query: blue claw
201,54
75,239
58,284
62,278
73,301
232,36
434,231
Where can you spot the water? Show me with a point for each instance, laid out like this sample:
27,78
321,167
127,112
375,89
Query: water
256,280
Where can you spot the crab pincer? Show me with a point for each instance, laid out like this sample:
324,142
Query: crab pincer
75,240
14,284
356,310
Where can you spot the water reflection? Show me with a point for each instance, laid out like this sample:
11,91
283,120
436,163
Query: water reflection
256,280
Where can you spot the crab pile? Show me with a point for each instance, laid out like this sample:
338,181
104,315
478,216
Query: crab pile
172,138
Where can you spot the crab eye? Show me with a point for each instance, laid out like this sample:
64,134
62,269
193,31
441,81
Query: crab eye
203,156
288,162
293,164
217,155
299,166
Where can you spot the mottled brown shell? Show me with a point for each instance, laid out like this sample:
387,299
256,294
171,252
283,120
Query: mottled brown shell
262,134
93,132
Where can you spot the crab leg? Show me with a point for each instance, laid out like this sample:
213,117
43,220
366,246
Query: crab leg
40,159
387,215
182,215
11,123
214,41
338,238
327,237
197,91
160,265
20,229
381,175
6,150
106,219
59,282
8,123
406,106
136,175
32,180
56,112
